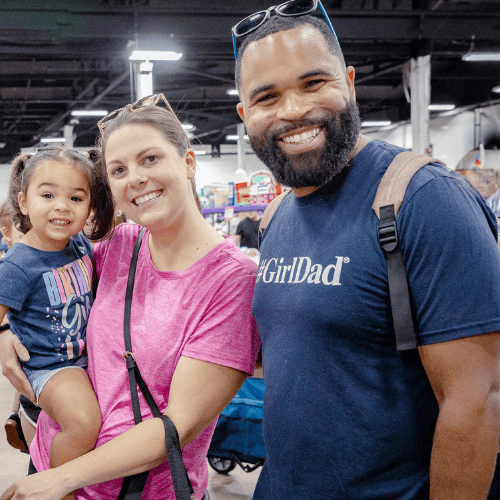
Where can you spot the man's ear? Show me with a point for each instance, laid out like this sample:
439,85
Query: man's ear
21,198
239,109
349,78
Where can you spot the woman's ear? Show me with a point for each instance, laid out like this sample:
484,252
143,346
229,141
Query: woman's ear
190,163
21,199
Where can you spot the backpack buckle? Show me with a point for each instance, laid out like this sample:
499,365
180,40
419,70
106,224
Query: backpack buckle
388,236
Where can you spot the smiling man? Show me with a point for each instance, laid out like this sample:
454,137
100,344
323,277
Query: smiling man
347,416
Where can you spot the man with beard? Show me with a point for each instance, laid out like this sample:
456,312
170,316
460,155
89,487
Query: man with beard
347,416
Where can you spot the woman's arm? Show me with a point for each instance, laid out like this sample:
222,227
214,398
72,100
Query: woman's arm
199,392
11,350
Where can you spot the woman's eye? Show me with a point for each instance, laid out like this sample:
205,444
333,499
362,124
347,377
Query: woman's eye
150,159
117,171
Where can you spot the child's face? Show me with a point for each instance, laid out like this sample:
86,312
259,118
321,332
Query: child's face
57,202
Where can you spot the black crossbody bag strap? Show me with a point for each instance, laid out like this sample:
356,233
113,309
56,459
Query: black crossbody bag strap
133,486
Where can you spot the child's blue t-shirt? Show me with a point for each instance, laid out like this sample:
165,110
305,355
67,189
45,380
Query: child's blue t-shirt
49,295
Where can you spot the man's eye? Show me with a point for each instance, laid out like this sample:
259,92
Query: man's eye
266,97
312,83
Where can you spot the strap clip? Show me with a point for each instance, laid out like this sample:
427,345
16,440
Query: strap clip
388,236
129,354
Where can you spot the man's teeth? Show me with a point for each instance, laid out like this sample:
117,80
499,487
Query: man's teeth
301,138
60,222
147,197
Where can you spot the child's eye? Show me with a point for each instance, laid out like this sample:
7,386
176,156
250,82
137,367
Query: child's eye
76,198
47,195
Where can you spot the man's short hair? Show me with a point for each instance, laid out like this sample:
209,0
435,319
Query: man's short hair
281,23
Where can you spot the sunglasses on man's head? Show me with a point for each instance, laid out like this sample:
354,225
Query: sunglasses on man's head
292,8
150,100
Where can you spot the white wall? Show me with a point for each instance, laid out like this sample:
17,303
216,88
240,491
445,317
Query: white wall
214,171
451,136
4,181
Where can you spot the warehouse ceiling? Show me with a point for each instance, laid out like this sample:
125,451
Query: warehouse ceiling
61,55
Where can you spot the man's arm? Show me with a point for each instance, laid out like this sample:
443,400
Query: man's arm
464,375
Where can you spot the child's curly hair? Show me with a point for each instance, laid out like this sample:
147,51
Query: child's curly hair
101,202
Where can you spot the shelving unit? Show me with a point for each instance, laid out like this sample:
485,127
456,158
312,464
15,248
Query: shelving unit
236,208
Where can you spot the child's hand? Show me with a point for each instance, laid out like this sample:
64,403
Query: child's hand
11,350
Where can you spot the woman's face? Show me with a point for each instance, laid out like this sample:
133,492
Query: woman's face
149,180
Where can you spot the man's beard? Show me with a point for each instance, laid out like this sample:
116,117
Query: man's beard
315,167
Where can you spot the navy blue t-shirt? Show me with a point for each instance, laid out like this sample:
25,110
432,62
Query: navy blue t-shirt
49,295
346,416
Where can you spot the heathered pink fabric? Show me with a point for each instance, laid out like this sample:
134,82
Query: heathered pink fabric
203,312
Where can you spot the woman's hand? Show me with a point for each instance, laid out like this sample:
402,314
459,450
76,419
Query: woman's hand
10,350
41,486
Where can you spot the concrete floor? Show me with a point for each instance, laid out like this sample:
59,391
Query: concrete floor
237,485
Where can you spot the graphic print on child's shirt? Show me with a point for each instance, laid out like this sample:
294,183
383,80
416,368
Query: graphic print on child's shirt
49,295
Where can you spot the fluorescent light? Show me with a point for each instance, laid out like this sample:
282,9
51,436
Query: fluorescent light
188,126
382,123
232,92
199,152
235,137
481,56
92,112
52,139
145,84
2,145
441,107
155,55
146,67
496,89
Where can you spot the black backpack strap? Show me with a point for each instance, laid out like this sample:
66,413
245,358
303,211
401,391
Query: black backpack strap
398,284
388,200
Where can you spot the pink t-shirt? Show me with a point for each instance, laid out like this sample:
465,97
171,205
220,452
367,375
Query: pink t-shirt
203,312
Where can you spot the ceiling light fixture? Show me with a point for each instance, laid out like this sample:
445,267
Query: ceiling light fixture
188,126
155,55
90,112
52,139
381,123
441,107
232,92
199,152
481,56
496,89
235,137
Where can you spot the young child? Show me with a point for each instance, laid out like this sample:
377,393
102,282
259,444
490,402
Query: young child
47,286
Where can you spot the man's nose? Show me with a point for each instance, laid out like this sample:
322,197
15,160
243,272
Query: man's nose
293,107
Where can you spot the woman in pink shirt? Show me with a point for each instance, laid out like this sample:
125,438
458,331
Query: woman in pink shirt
193,335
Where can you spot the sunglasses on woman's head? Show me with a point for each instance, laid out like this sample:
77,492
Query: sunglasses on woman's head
292,8
150,100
